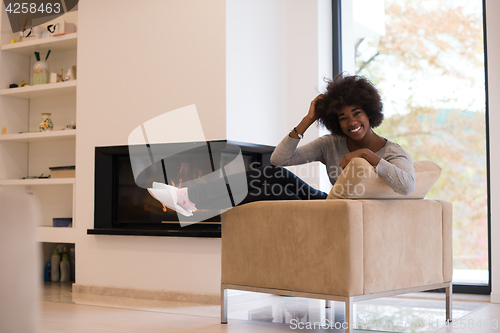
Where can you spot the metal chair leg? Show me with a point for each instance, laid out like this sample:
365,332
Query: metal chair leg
349,313
223,305
449,294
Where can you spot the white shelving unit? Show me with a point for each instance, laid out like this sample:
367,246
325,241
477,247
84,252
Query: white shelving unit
38,181
56,235
39,136
42,91
31,153
56,44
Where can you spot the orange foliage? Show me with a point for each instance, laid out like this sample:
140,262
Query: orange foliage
437,37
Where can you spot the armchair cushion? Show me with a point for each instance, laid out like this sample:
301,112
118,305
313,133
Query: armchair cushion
360,181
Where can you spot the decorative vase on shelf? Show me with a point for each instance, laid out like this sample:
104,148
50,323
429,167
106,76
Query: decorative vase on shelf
46,124
41,72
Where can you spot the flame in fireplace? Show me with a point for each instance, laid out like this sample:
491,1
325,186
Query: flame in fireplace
186,171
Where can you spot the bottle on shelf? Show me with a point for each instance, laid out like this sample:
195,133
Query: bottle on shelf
72,263
47,277
55,260
65,268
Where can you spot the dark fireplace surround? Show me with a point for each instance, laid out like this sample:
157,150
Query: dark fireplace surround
122,207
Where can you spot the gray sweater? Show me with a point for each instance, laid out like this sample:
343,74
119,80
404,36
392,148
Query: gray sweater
395,166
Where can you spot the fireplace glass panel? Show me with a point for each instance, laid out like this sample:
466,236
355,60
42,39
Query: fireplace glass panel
123,205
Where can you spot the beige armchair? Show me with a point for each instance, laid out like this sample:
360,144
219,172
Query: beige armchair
340,250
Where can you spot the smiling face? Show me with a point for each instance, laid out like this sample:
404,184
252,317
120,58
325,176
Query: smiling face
354,122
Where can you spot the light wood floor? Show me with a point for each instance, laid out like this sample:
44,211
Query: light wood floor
248,312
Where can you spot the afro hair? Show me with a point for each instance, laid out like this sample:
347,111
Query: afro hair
352,90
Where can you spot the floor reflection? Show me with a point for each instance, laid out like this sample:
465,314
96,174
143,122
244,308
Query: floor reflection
420,314
385,314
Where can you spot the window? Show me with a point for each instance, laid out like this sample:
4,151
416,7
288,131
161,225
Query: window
427,59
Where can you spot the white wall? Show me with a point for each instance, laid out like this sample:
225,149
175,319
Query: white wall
325,70
264,64
135,63
493,49
256,59
302,76
275,60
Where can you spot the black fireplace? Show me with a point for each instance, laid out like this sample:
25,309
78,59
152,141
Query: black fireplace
123,205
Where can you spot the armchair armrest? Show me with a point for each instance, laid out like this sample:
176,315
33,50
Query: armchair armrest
447,240
403,244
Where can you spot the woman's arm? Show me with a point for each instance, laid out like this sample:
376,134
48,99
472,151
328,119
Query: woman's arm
307,120
365,153
286,152
397,170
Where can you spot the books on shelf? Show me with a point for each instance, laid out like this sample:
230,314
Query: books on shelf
62,172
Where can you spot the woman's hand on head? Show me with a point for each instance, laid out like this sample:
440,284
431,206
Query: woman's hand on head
312,109
307,120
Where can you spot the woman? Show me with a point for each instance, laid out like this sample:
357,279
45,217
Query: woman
350,108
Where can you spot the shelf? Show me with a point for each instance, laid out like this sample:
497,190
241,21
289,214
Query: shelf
44,181
56,235
155,233
39,136
60,43
42,90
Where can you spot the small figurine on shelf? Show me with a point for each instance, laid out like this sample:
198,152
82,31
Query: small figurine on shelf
46,124
24,83
71,126
55,77
69,75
